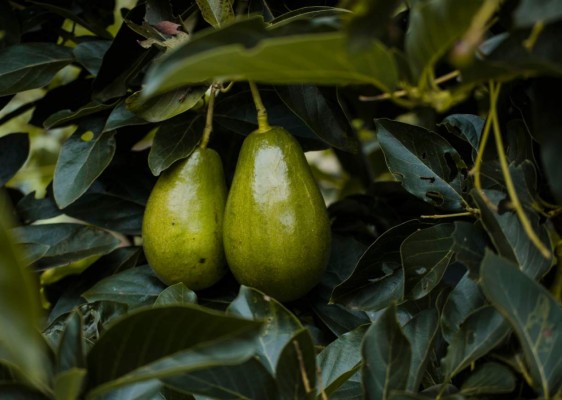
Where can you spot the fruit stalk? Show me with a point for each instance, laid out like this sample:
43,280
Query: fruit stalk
263,123
209,118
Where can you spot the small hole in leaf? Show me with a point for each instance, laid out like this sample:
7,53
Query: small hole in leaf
424,155
87,136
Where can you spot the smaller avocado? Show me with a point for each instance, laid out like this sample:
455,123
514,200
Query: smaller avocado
182,225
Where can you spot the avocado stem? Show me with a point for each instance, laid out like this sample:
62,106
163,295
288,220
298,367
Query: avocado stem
263,124
209,118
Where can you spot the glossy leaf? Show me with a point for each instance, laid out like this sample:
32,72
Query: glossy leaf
387,357
14,149
425,256
134,287
216,12
82,159
246,50
90,54
489,378
30,65
174,340
426,164
280,325
176,294
534,315
63,243
295,371
483,330
468,127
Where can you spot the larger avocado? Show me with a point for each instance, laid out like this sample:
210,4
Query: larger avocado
182,225
276,227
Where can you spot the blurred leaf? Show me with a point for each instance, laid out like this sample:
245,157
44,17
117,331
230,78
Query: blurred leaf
426,254
82,159
280,325
534,315
468,127
120,117
19,391
246,50
20,341
215,12
421,331
134,287
31,65
295,372
530,12
481,331
249,380
68,384
489,378
340,360
90,54
167,105
11,29
70,352
426,164
176,294
174,140
63,243
462,301
434,27
387,357
175,340
14,149
319,109
145,390
65,117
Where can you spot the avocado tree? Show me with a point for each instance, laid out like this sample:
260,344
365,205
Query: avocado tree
432,127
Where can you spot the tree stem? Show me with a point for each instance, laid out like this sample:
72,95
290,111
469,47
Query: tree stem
263,124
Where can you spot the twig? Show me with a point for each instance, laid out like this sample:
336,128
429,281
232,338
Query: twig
209,118
302,368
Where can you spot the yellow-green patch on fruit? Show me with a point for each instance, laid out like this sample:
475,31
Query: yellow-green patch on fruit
182,225
276,227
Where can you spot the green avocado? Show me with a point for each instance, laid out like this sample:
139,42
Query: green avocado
276,228
182,225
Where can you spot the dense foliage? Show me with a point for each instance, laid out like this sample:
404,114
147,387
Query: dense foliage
444,277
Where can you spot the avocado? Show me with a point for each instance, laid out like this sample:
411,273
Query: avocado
276,228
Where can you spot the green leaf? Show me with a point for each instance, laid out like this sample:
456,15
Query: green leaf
421,331
31,65
469,243
14,149
534,315
425,256
70,352
247,50
468,127
489,378
134,287
18,391
20,341
63,243
296,368
167,105
215,12
121,116
530,12
482,331
387,357
340,360
426,164
145,390
176,294
82,159
280,325
90,54
65,117
162,342
434,27
68,384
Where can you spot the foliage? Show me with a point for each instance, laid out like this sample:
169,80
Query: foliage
444,279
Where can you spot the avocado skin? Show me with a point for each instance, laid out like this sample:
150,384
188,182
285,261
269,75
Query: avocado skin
182,225
276,228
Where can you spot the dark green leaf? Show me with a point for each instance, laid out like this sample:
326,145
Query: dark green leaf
18,391
425,256
14,149
66,117
121,116
30,209
173,340
387,357
63,243
68,384
534,315
350,390
426,164
421,331
468,127
340,360
11,28
530,12
246,50
296,368
489,378
319,109
482,330
70,352
31,65
20,341
90,54
167,105
280,325
215,12
134,287
176,294
145,390
469,243
174,140
82,159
